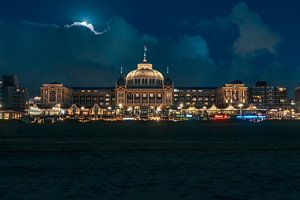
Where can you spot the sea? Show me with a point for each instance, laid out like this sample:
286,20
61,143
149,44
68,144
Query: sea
231,160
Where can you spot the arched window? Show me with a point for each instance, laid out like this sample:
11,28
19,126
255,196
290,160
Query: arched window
152,98
52,96
158,98
145,98
137,98
129,98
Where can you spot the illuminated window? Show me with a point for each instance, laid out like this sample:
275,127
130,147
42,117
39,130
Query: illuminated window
52,96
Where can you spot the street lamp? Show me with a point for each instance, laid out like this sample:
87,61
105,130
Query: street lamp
121,109
181,106
59,110
241,108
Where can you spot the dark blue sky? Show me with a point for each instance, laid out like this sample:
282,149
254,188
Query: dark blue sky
205,43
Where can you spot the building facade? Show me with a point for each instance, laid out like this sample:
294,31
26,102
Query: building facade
56,93
89,96
198,97
297,99
268,97
144,89
234,93
12,96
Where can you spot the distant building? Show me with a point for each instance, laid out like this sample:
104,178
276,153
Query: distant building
56,93
268,97
234,93
12,96
89,96
297,99
10,80
197,97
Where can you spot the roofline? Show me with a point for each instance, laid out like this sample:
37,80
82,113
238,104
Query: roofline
195,88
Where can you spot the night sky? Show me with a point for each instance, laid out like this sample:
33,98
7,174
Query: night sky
205,43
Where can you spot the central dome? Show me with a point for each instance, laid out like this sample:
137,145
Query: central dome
144,75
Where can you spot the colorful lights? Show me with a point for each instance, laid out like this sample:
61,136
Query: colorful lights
251,117
220,117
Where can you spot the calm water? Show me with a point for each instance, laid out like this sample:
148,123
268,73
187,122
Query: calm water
147,160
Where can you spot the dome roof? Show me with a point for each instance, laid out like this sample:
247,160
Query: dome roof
144,74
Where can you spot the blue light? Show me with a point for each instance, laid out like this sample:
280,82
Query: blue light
261,117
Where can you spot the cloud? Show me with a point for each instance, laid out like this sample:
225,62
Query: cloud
255,36
47,53
78,57
86,25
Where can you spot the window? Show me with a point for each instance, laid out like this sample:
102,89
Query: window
52,96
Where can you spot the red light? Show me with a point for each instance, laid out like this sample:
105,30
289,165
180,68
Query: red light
220,117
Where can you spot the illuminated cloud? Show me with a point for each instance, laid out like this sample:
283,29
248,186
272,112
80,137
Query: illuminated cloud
87,25
255,36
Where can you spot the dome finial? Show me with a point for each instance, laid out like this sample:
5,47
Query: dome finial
168,70
121,70
145,54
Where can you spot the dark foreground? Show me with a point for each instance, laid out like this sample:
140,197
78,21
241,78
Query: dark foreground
136,160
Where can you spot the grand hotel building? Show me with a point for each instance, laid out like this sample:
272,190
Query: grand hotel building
147,90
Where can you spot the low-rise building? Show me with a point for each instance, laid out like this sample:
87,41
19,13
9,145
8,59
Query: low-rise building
56,93
234,93
265,96
297,99
197,97
12,96
89,96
